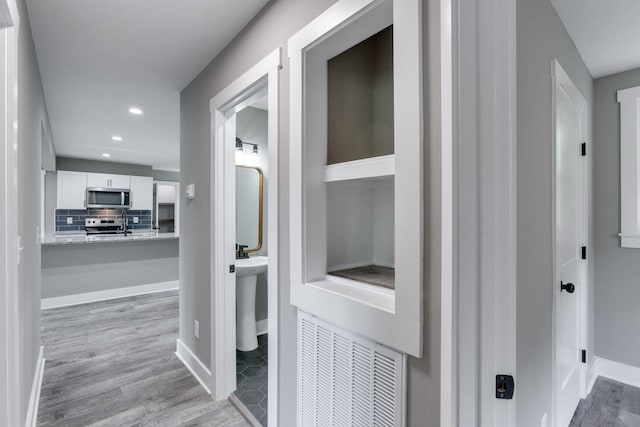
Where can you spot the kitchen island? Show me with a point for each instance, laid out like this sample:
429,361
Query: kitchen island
79,268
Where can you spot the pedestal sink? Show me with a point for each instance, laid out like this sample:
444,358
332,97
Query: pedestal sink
247,271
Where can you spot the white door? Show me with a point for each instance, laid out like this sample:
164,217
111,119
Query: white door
570,285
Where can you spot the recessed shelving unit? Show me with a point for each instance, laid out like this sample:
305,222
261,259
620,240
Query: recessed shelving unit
356,169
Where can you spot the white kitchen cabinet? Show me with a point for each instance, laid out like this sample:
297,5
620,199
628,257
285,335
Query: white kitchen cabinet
141,192
104,180
72,187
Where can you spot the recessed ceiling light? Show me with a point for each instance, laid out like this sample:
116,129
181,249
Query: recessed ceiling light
116,138
106,155
135,110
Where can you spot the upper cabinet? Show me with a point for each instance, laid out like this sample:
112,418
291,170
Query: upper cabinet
71,190
103,180
141,193
356,173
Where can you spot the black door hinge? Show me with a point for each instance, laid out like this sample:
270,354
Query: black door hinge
504,386
583,148
583,356
232,268
584,252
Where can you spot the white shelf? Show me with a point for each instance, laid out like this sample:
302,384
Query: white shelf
373,167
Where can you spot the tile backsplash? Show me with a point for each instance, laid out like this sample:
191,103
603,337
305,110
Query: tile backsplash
79,215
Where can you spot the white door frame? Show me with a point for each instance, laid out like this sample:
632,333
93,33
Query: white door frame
10,387
561,80
223,107
478,126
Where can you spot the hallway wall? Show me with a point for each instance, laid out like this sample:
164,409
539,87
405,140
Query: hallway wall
271,28
541,37
32,116
616,285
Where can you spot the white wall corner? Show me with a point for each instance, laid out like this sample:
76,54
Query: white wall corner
36,387
616,371
195,366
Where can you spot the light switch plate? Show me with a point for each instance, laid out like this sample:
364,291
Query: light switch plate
190,191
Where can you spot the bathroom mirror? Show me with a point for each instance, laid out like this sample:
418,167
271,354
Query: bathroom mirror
249,189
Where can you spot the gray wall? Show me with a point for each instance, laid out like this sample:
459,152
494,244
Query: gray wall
251,126
32,117
617,270
80,268
541,37
271,28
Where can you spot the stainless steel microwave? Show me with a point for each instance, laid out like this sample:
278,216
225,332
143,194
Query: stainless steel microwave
118,198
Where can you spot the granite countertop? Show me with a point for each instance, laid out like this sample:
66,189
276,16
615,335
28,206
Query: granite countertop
74,238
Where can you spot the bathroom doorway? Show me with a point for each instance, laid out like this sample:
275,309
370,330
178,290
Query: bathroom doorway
244,276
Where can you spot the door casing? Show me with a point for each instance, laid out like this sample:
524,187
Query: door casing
242,92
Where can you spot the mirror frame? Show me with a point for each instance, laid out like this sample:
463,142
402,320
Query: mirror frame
260,204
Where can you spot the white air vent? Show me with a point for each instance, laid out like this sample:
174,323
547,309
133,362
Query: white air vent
346,380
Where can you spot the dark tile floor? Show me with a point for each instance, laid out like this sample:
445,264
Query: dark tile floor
251,375
610,404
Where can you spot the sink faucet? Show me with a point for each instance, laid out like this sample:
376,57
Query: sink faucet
124,221
240,253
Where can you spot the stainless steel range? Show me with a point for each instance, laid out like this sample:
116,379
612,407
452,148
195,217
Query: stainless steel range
103,225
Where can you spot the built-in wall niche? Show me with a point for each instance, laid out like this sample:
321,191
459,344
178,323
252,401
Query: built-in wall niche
356,169
360,100
360,231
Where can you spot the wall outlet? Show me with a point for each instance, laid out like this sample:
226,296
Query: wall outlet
543,421
69,220
135,219
196,329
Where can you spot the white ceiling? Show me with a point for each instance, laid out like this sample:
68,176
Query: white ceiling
606,33
98,58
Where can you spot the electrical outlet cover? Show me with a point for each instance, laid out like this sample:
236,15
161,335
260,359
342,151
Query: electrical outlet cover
135,219
69,220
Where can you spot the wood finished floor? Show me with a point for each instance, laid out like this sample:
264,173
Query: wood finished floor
112,363
610,404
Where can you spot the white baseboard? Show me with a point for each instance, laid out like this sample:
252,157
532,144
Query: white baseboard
194,365
36,387
107,294
251,419
262,327
617,371
592,374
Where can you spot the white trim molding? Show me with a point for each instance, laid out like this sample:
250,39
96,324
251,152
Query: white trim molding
340,27
616,371
67,300
11,389
478,120
36,387
241,93
194,365
629,100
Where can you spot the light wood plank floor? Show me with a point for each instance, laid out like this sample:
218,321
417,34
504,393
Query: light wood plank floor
112,363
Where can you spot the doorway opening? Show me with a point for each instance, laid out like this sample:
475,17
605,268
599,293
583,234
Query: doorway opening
244,276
